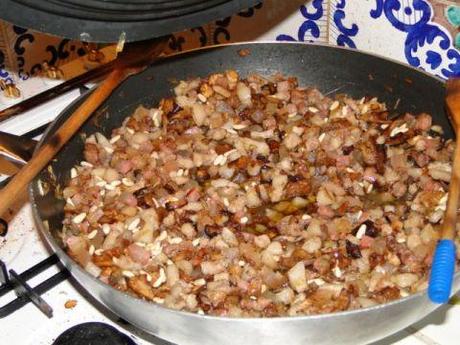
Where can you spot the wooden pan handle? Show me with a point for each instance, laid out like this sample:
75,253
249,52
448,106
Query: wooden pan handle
443,266
448,228
9,193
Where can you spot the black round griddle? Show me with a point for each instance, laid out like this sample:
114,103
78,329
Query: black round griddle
107,20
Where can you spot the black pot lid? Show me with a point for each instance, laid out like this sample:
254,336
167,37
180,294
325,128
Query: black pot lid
106,20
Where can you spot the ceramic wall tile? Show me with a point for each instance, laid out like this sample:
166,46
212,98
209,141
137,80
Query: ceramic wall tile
419,32
22,52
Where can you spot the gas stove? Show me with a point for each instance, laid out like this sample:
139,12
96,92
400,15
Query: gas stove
22,248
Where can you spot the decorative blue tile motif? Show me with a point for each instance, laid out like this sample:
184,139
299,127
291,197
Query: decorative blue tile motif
345,34
309,27
427,44
309,30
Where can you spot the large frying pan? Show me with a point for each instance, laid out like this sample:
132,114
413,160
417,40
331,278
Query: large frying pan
330,69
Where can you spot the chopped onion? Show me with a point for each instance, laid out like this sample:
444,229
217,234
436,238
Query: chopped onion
199,114
92,269
297,277
244,93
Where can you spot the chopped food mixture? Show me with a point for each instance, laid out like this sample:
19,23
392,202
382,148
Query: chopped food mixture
70,304
258,198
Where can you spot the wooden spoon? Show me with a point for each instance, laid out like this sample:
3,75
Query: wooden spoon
132,60
442,270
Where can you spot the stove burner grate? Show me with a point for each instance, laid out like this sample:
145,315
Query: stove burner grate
10,280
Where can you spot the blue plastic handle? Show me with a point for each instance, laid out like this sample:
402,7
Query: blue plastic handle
442,272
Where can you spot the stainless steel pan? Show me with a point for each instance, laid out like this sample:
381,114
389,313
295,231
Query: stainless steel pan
333,70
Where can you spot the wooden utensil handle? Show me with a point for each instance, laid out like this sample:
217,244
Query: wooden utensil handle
448,228
443,266
9,193
56,91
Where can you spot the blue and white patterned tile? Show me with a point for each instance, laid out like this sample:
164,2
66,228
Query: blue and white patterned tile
309,24
295,19
343,27
400,29
427,44
373,35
